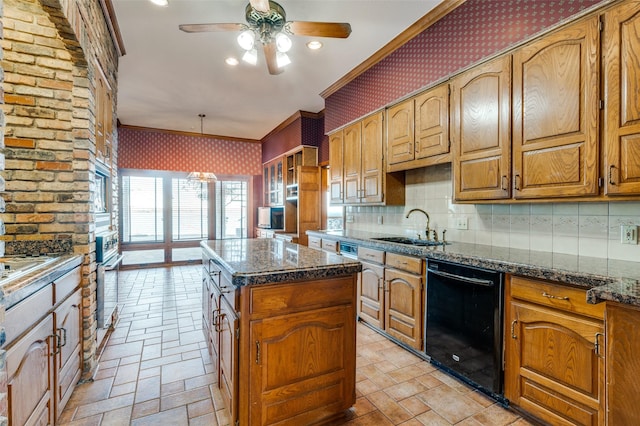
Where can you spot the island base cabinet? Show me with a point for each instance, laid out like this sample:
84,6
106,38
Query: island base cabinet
30,378
295,379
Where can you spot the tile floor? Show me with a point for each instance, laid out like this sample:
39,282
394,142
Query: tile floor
155,370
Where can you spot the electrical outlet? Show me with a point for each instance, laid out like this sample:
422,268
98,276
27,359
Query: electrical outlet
461,223
628,234
349,218
379,220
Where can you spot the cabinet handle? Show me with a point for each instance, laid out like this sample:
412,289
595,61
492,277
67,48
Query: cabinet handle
551,296
597,344
516,182
513,329
214,320
380,283
55,345
504,184
257,352
64,338
611,167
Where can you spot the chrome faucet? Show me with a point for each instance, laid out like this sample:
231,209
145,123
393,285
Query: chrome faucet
428,230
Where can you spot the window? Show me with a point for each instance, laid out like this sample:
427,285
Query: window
231,204
189,210
142,202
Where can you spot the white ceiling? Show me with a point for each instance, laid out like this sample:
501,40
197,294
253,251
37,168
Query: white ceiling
167,77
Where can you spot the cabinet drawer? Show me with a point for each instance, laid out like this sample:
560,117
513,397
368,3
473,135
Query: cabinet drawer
405,263
371,255
277,299
330,245
315,242
64,286
25,314
555,295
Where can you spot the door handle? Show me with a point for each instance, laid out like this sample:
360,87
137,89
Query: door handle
513,329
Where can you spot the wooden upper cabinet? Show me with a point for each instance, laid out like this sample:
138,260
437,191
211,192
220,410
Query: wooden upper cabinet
432,122
555,114
372,159
352,145
400,132
336,189
481,131
622,88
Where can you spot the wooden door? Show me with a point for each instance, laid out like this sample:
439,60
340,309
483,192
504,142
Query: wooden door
400,132
403,301
432,122
481,131
228,355
555,365
623,365
622,85
294,379
308,206
30,377
336,165
352,144
371,294
372,171
68,321
555,114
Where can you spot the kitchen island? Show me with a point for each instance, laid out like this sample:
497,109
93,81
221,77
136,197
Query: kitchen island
280,323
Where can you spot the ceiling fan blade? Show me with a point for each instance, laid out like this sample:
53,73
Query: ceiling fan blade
260,5
270,55
201,28
320,29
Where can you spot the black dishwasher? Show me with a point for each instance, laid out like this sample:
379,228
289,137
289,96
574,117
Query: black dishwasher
463,331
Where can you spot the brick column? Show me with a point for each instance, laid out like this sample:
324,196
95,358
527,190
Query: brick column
3,368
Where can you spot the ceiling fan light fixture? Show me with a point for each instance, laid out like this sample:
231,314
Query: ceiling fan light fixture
282,59
314,44
247,39
283,42
250,56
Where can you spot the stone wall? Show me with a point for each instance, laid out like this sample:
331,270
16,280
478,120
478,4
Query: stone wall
52,50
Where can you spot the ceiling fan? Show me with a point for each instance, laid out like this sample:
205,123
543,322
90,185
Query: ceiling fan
266,23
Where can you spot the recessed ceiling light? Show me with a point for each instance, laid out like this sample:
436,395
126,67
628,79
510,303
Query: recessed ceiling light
160,2
314,45
231,61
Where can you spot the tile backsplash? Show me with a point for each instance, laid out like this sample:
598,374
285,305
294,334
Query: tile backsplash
579,228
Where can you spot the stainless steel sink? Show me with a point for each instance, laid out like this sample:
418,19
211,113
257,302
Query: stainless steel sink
410,241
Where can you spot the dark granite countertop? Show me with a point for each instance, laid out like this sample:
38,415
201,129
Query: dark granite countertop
605,279
266,260
23,286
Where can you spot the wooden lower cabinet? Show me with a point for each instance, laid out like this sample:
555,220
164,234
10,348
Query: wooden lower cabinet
68,357
623,364
555,355
391,296
284,353
30,377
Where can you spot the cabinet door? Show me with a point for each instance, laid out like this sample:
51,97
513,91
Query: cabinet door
30,377
400,133
68,356
623,365
432,122
403,302
481,131
371,294
555,114
294,379
622,85
228,352
336,164
352,163
372,172
555,365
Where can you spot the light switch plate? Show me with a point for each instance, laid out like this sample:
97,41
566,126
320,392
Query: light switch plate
628,234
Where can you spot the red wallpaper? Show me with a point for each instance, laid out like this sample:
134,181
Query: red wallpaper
282,141
153,150
475,30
